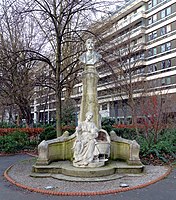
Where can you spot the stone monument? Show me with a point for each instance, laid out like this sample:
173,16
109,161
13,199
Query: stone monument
87,146
90,78
90,146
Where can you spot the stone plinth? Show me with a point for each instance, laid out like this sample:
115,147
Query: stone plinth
89,100
66,168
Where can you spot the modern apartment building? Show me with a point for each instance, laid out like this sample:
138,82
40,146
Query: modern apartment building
138,44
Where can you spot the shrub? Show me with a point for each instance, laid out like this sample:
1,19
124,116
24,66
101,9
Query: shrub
14,142
107,123
30,131
48,134
7,125
70,129
163,149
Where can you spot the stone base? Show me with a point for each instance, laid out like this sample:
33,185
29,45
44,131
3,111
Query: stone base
90,165
66,168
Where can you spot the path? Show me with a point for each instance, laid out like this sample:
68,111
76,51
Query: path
162,190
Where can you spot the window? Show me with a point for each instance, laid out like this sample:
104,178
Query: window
168,28
104,107
154,2
155,83
163,82
154,18
173,79
150,36
168,46
163,14
154,51
168,80
152,68
168,63
150,20
149,4
163,30
168,11
154,34
140,71
165,64
150,53
163,48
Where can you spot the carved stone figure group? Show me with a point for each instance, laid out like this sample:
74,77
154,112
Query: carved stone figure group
85,150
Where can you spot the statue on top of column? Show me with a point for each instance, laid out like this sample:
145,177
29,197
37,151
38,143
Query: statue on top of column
90,57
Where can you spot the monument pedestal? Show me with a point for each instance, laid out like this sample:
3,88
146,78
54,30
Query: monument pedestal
89,102
66,171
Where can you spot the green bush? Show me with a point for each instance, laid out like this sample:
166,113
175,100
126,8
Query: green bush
14,142
164,147
7,125
48,134
127,133
107,123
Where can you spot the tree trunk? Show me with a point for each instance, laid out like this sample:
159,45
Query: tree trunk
26,112
58,113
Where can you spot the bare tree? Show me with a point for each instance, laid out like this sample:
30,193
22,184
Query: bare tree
123,58
61,25
17,79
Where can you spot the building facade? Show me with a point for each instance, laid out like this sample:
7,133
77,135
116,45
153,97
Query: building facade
138,45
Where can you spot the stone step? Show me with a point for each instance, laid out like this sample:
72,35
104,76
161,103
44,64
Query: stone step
66,168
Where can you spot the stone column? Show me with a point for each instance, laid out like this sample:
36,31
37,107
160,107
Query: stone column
89,100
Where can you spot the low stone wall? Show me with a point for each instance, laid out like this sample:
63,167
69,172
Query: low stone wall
55,150
124,149
61,149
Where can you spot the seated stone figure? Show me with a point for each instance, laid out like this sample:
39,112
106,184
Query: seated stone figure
84,147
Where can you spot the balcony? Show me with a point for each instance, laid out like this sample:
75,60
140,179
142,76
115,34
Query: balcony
123,38
120,25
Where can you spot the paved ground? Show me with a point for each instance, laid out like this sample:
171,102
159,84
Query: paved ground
165,189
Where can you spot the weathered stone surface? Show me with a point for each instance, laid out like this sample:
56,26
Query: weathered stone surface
89,101
124,149
56,149
66,168
92,146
